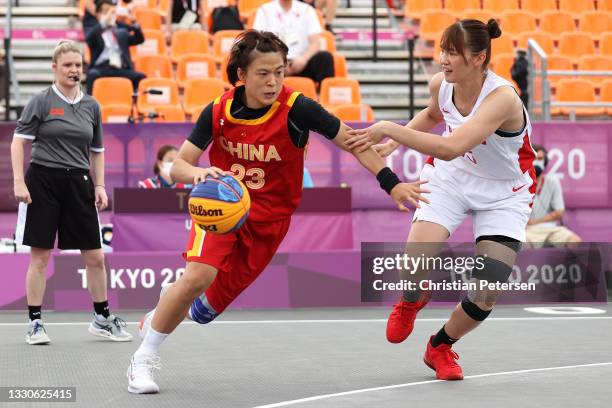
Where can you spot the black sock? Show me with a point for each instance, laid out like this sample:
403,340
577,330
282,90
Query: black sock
101,308
34,312
442,338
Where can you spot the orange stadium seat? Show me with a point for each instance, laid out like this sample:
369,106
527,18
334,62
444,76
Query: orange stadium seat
328,41
339,91
502,64
458,6
302,84
499,6
595,22
115,113
188,42
167,113
557,22
415,8
356,112
192,66
517,22
576,90
161,5
544,40
223,41
477,14
196,114
434,22
340,69
576,6
605,94
576,44
223,71
561,63
538,6
595,62
149,19
200,92
167,87
247,6
154,44
502,45
605,5
154,66
605,43
113,91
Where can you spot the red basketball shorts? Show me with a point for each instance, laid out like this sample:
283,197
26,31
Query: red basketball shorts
239,257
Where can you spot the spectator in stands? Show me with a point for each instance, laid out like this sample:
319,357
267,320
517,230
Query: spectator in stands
185,14
297,24
543,226
165,157
109,42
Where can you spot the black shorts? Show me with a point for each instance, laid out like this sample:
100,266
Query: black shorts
63,202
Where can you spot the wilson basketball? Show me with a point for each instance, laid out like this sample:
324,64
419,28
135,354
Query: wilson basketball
219,206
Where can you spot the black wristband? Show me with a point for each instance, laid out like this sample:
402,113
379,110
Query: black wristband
387,179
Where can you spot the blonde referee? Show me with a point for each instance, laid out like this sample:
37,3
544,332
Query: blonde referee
58,196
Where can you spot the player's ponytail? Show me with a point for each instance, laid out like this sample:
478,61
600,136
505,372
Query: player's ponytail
245,44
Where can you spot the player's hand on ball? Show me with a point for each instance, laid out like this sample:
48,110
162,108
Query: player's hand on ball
363,139
22,194
101,198
409,192
385,149
215,172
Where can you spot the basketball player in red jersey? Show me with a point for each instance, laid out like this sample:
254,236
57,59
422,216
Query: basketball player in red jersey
258,132
483,165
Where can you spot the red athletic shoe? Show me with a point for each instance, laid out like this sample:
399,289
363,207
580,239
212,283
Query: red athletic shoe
442,360
401,320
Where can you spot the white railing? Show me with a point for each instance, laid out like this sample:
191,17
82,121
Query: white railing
536,54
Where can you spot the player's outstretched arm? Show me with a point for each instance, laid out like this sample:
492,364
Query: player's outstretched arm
399,192
185,167
497,108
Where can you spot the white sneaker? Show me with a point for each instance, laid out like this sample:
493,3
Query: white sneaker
110,328
140,374
37,333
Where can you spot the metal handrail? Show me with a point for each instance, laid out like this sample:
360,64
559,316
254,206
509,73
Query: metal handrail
533,49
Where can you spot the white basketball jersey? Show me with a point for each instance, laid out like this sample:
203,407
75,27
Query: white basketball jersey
503,155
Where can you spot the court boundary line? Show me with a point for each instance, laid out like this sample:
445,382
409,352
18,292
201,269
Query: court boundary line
412,384
335,321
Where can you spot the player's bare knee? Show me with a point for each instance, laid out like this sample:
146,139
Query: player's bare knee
94,261
39,260
197,279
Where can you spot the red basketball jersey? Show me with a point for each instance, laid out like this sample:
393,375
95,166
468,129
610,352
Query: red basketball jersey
261,154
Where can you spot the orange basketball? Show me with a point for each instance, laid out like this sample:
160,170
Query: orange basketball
219,206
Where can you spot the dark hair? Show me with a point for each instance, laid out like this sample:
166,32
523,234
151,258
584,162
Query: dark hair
537,148
473,34
245,44
100,3
160,156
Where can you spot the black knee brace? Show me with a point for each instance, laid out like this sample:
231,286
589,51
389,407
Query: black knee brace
492,270
511,243
472,310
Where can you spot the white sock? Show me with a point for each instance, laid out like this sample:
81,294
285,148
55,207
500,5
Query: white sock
151,342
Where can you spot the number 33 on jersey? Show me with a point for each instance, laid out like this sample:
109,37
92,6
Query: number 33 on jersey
261,154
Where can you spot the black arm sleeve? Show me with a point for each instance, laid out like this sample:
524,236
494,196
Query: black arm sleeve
306,115
201,134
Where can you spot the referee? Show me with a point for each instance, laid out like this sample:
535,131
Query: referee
57,194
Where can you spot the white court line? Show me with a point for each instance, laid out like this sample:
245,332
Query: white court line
334,321
412,384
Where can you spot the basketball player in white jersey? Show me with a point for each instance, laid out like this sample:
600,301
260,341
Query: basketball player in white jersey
481,166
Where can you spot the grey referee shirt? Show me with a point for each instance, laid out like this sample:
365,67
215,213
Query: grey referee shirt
63,131
549,198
